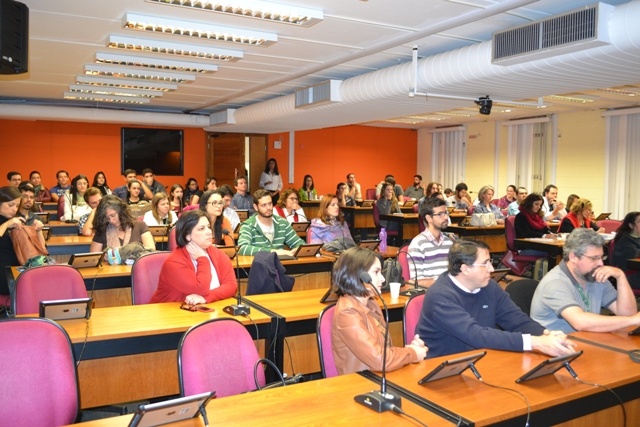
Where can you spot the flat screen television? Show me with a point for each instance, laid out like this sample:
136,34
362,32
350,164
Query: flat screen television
158,149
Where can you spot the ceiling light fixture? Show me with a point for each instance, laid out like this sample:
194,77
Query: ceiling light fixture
453,114
105,98
168,48
130,73
258,9
583,99
200,30
125,83
623,92
154,63
118,91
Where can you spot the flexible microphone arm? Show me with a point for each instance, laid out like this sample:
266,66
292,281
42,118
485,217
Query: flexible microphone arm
416,289
380,401
238,309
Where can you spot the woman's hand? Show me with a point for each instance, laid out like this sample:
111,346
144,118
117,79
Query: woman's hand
194,299
16,222
418,346
38,224
195,251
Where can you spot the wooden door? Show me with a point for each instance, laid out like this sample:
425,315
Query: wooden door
226,157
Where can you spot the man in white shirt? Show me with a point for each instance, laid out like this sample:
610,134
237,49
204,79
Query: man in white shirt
354,188
553,208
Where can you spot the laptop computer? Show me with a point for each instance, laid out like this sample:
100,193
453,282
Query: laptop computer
229,251
42,216
85,260
369,244
549,366
603,216
63,309
303,251
170,411
159,230
367,204
449,368
300,227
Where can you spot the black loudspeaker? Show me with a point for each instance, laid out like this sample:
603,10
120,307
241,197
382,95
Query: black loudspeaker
14,37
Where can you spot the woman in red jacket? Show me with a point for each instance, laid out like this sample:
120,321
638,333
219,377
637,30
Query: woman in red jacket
195,272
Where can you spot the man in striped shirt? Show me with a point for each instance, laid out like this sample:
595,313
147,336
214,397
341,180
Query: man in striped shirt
429,250
265,232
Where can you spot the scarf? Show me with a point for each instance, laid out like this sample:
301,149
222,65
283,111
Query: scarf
112,237
534,220
573,218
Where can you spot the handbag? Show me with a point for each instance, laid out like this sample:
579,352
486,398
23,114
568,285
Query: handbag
483,220
26,243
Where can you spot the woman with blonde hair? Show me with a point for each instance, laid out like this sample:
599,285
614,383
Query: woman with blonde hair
160,213
580,216
485,195
330,227
388,204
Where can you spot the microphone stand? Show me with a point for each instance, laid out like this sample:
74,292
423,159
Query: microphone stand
238,309
380,401
416,289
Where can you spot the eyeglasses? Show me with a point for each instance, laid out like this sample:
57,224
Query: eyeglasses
485,265
596,257
217,203
445,213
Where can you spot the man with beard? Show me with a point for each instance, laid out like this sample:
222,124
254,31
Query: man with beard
569,298
429,250
264,232
27,205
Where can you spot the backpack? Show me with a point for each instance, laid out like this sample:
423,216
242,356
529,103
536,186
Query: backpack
392,272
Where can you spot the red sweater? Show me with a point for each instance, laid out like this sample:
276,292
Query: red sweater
178,277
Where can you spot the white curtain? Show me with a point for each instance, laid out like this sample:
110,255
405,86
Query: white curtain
622,173
528,143
448,155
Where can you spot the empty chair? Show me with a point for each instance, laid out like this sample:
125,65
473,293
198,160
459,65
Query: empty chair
403,259
144,276
518,264
38,371
46,282
217,355
325,322
609,225
411,316
521,292
370,194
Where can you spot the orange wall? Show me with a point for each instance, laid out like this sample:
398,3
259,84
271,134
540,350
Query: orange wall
329,154
85,148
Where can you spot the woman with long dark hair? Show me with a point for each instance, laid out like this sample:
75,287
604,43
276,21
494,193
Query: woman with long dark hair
308,190
357,336
177,199
100,182
627,246
74,204
192,192
212,204
271,180
530,223
10,199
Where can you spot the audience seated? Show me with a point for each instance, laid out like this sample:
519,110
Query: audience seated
329,227
123,190
212,204
63,185
552,208
485,196
461,199
354,189
160,213
288,207
572,198
134,187
307,191
92,196
100,182
397,189
388,204
192,192
580,216
41,192
14,179
10,199
344,199
27,205
514,208
507,199
211,279
228,212
177,199
415,191
266,232
627,246
530,223
210,184
149,184
74,204
242,198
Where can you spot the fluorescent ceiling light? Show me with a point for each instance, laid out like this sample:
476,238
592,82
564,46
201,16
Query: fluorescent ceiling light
624,92
583,99
200,30
168,48
433,118
454,114
119,91
155,63
105,98
258,9
131,73
125,83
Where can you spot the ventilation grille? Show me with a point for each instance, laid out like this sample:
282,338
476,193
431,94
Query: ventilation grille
571,32
326,92
224,117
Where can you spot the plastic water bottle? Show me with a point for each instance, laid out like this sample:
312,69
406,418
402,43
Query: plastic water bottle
383,240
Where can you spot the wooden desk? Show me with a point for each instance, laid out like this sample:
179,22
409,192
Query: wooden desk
554,399
75,244
633,264
457,216
493,236
299,313
316,403
130,352
407,224
62,228
552,247
311,208
362,217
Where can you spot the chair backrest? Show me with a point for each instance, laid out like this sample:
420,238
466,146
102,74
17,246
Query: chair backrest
172,239
376,216
144,276
421,223
38,371
403,259
325,324
217,355
61,207
510,232
190,208
609,225
521,292
46,282
370,194
471,209
411,316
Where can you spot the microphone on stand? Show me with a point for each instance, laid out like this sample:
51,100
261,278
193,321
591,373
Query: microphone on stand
238,309
416,289
380,401
228,233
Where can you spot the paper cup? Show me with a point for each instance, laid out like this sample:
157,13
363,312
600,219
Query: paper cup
395,289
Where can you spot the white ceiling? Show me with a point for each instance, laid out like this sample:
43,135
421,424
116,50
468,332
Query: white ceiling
353,43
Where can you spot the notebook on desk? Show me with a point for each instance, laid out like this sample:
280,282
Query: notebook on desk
171,411
79,308
86,260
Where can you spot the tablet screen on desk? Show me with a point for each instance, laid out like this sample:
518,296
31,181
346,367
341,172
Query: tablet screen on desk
549,366
85,260
636,331
449,368
170,411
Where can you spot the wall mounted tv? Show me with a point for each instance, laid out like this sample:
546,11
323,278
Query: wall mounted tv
158,149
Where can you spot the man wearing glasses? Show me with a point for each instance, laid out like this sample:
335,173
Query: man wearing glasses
571,295
465,309
429,250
